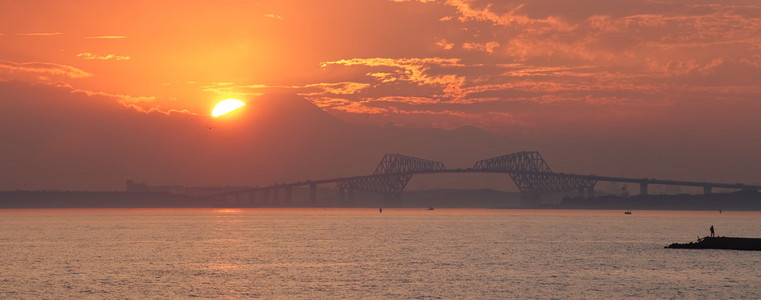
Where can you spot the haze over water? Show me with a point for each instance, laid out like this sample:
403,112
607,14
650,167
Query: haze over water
360,253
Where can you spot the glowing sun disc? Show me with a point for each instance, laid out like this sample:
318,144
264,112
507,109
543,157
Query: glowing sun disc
226,106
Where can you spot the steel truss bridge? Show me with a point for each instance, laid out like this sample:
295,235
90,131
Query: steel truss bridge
528,170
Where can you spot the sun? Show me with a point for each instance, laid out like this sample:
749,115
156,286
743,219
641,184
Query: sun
226,106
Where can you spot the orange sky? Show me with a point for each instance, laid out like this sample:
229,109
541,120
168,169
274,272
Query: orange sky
683,75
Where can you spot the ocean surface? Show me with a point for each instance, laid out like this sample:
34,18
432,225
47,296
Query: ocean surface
364,254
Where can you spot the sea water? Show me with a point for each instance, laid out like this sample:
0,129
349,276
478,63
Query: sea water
365,254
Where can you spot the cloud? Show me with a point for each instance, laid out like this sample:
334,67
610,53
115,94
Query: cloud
622,34
413,70
88,55
486,47
144,104
310,90
12,70
505,14
274,16
338,88
545,67
40,34
593,54
444,44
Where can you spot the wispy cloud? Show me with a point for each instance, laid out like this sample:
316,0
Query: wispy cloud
144,104
274,16
40,33
111,37
338,88
589,54
414,70
486,47
41,69
314,89
88,55
508,14
444,44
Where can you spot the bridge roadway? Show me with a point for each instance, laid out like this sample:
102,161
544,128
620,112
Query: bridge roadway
643,182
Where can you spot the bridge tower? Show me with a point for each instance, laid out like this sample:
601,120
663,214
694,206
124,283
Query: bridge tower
533,176
390,176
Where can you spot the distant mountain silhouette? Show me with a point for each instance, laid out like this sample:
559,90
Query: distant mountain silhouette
286,114
56,139
291,109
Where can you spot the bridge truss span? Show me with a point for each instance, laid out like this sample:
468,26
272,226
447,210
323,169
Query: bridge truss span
532,174
528,170
524,161
397,164
391,175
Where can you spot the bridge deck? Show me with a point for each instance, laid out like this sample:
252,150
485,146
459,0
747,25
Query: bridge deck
472,170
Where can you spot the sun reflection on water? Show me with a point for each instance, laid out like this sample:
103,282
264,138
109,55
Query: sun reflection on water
228,211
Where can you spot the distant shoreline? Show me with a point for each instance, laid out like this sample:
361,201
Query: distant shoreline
488,199
740,201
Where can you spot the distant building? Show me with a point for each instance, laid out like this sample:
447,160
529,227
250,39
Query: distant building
132,186
198,191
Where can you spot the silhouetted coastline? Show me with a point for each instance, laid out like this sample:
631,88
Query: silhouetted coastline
484,198
740,200
96,199
90,199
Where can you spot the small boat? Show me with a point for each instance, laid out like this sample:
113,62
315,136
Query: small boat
430,208
627,212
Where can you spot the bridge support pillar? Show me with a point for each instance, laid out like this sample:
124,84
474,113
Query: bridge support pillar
275,195
349,196
643,188
288,194
392,197
707,190
533,199
586,192
346,195
313,192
